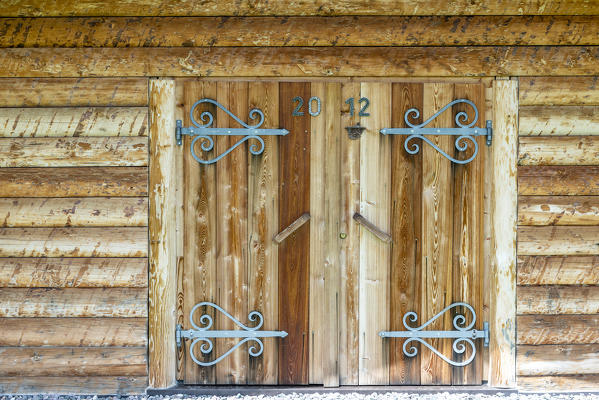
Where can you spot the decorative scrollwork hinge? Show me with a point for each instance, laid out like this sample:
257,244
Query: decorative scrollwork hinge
465,132
461,335
205,335
204,132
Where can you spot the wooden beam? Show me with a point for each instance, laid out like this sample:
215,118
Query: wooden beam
558,299
558,210
74,332
93,385
292,227
558,180
559,91
299,31
558,329
558,240
30,8
301,61
73,92
558,270
558,359
504,219
162,230
579,150
558,383
559,120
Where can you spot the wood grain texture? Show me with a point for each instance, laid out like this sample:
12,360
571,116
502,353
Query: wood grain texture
504,209
77,211
301,61
559,91
73,92
298,31
558,210
558,270
74,182
73,121
580,150
565,383
73,152
162,254
558,240
73,272
73,361
27,8
558,299
94,385
557,329
74,242
74,332
559,120
558,359
294,253
73,302
558,180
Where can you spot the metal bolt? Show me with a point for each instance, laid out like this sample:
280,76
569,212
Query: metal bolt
342,235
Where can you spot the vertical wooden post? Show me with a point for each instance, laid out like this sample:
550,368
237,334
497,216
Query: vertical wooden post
162,283
504,220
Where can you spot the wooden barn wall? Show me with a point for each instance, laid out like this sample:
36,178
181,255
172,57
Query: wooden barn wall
73,158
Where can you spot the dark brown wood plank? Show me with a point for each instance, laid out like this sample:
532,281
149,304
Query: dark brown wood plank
93,385
558,270
557,329
294,252
302,61
74,182
558,300
558,180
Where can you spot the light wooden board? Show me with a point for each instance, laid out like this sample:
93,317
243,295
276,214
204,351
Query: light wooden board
563,383
558,299
95,385
74,242
558,270
558,180
558,359
74,182
580,150
78,211
73,272
557,329
73,92
558,210
74,332
302,61
73,121
559,120
73,302
558,240
539,90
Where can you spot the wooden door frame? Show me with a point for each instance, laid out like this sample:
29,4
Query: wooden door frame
162,301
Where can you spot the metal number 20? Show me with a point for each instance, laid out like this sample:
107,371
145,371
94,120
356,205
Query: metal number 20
300,102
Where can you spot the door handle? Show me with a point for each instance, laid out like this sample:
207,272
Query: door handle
385,237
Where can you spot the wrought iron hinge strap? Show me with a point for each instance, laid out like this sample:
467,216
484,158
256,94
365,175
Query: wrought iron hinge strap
465,132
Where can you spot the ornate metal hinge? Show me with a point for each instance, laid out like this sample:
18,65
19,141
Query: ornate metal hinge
204,132
461,335
465,133
204,334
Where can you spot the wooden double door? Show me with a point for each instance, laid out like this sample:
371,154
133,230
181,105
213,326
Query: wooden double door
332,284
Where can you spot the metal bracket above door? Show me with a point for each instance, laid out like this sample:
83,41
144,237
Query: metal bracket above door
204,334
465,133
204,131
461,335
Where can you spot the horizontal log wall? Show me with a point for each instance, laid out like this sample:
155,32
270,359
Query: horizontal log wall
558,234
73,235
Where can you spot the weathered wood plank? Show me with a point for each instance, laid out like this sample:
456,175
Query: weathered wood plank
73,302
558,383
559,120
558,329
74,182
31,8
73,272
295,225
74,242
302,61
558,240
74,152
558,180
299,31
78,211
558,299
556,270
162,231
75,332
558,210
558,91
73,121
294,253
73,92
93,385
73,361
557,359
581,150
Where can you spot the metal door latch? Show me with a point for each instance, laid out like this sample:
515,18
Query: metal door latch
462,335
205,335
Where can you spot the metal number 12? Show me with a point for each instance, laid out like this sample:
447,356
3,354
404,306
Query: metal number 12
352,109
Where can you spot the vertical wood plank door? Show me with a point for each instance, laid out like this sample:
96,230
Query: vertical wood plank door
333,283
